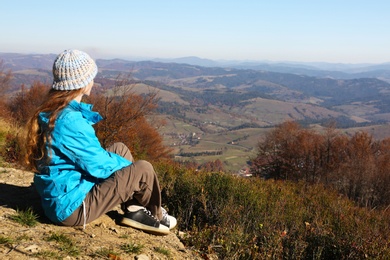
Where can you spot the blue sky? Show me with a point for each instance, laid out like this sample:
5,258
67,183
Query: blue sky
342,31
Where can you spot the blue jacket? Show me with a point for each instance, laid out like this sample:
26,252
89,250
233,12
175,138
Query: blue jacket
78,161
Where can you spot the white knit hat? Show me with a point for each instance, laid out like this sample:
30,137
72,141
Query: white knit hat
73,69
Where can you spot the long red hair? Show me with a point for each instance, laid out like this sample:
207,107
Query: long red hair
37,138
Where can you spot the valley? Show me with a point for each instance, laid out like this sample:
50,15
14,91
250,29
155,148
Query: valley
220,113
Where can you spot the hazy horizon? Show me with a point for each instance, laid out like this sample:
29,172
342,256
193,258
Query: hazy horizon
220,61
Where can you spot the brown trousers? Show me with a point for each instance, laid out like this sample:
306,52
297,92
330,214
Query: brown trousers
136,184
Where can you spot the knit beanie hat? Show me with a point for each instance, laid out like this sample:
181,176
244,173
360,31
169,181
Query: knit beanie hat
73,69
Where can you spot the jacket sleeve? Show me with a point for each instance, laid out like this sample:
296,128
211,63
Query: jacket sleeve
77,140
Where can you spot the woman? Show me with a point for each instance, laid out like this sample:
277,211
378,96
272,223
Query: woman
77,179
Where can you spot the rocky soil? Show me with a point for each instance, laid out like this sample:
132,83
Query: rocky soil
101,239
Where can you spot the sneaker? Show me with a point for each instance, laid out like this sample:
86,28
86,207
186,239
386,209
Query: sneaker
168,220
144,220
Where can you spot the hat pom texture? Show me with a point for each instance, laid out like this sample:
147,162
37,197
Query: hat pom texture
73,69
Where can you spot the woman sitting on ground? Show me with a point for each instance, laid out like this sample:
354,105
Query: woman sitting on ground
77,179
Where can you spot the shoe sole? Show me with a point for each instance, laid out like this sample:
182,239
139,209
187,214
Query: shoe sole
146,228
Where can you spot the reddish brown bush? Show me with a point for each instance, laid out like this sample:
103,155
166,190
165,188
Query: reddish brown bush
125,116
26,101
357,166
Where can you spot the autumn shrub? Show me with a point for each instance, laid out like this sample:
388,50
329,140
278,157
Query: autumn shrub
357,166
250,218
11,142
24,103
11,149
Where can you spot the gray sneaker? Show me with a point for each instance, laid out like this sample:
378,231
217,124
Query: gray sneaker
168,220
144,220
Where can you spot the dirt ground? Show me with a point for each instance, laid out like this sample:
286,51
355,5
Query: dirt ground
101,239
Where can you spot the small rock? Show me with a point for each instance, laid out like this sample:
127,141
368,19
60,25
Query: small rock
32,248
182,249
141,257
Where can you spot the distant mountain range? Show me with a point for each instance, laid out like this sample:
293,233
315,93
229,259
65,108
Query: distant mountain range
318,69
358,92
214,107
321,69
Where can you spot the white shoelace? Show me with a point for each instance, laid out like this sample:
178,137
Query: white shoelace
134,208
164,212
148,212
